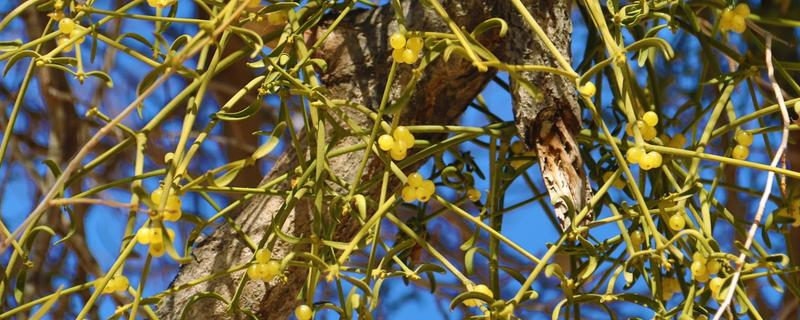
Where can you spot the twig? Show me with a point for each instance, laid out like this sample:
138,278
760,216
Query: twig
767,188
108,203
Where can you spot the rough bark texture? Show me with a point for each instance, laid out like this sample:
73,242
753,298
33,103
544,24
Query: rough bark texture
547,113
358,57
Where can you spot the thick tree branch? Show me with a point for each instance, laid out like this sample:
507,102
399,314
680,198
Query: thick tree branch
357,54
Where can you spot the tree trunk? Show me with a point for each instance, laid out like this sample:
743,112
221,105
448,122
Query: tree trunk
358,58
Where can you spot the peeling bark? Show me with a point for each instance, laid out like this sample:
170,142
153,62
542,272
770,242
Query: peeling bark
357,54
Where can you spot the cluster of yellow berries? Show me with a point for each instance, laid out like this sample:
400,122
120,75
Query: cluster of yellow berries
160,3
172,209
647,126
69,30
303,312
418,188
398,143
154,237
736,19
744,139
405,51
702,268
676,222
264,269
669,288
646,160
477,302
117,283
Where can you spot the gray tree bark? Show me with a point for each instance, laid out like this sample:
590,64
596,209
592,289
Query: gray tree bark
358,58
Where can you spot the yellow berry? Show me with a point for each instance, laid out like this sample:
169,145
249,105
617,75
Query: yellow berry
648,133
409,56
713,266
263,255
61,40
635,154
744,138
145,235
699,268
415,179
415,44
263,272
271,269
697,256
409,194
651,160
385,142
477,302
157,249
421,194
252,272
651,118
428,186
397,41
517,147
397,55
587,89
303,312
118,283
398,151
76,34
715,284
676,222
701,278
474,194
172,210
725,19
402,133
740,152
742,10
155,196
253,3
738,24
66,25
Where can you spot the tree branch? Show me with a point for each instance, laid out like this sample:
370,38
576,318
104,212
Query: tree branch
358,58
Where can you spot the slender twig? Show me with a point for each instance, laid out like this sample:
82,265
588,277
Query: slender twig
767,188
